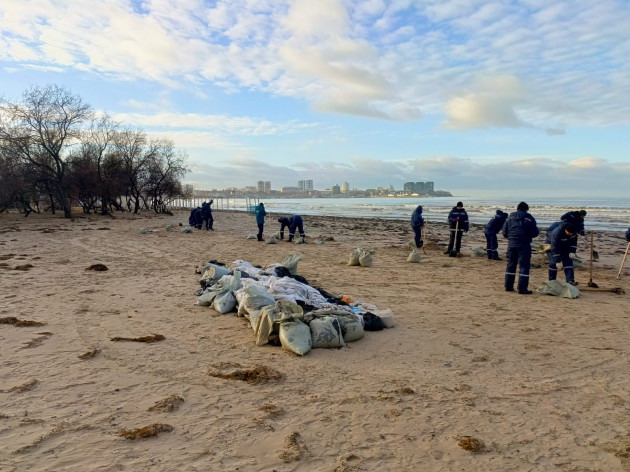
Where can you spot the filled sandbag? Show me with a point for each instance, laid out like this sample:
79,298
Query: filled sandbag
213,273
351,327
273,239
354,257
291,262
559,288
326,332
187,229
365,258
225,301
414,256
387,317
252,236
478,252
253,297
295,337
271,316
300,240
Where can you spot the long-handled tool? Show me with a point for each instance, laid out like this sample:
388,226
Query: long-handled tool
426,223
590,280
453,252
623,262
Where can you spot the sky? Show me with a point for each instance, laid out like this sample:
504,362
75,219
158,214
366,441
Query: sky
511,97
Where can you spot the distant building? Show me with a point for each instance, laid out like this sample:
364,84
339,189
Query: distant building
263,186
290,189
305,185
345,187
335,189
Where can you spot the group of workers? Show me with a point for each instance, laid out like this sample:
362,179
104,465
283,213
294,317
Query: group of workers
519,228
293,223
201,217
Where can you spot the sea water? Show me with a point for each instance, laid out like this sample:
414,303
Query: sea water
610,214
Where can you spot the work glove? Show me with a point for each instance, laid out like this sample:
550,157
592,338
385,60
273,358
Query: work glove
572,255
457,219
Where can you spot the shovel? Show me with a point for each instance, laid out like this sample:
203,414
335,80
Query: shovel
453,252
623,262
590,281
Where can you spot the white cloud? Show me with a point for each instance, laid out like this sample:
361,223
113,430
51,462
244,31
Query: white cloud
491,104
379,57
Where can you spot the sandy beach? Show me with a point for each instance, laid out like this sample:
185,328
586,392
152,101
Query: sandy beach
471,378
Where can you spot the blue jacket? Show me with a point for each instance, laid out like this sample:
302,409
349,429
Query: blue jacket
574,218
496,223
260,213
292,222
463,219
519,229
628,235
195,217
206,211
416,218
561,243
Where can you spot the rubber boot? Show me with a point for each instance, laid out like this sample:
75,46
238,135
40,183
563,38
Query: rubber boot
523,282
290,238
259,236
509,283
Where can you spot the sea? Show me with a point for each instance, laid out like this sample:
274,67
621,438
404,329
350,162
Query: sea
603,214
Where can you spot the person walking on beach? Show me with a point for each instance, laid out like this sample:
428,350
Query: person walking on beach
417,223
563,240
492,228
293,222
260,219
519,229
458,225
206,214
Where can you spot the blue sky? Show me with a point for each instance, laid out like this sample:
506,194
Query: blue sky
527,97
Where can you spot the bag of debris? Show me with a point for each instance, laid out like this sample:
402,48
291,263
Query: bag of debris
372,322
351,327
225,301
253,297
541,248
252,236
170,228
414,256
300,240
187,229
318,241
213,273
354,257
295,337
365,258
387,317
559,288
143,230
326,332
478,252
207,297
271,316
273,239
291,262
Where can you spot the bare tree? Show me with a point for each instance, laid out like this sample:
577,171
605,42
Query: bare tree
41,129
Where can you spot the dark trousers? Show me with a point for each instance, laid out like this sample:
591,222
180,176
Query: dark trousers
208,221
452,241
418,237
492,245
567,263
521,256
260,231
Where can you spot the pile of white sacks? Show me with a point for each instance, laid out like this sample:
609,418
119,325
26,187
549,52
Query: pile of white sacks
270,303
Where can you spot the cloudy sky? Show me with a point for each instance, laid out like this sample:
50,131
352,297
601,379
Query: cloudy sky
510,96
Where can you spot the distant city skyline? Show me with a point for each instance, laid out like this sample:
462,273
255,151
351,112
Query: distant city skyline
525,96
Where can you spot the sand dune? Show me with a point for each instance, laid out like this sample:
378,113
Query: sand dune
471,378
